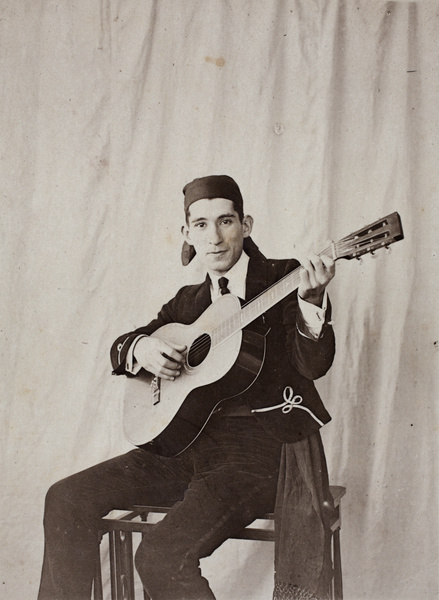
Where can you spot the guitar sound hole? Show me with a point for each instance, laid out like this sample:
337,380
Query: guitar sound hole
199,350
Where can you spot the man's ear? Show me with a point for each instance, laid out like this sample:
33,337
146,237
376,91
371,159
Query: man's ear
247,225
185,234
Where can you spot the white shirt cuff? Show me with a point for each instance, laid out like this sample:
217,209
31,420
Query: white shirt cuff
313,316
131,365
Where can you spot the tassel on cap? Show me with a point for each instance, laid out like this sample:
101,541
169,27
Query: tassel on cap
187,254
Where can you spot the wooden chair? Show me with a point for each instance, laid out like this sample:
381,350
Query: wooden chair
120,529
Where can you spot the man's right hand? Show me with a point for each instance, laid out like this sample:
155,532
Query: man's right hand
163,359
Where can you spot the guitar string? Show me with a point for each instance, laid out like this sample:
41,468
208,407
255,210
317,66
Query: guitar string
203,343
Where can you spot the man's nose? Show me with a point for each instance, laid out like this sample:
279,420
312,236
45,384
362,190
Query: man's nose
215,236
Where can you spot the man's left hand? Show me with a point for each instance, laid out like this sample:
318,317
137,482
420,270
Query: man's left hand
317,272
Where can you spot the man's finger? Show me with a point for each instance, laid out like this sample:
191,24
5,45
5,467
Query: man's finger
328,263
173,352
169,373
312,272
167,363
164,372
178,347
305,276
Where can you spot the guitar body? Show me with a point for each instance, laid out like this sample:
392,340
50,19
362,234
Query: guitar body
169,415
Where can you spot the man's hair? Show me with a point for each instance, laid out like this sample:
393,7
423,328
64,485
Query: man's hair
237,207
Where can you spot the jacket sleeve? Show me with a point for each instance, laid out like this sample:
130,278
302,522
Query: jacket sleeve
310,356
119,349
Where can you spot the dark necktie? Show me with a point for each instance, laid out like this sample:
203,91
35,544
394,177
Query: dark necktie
222,282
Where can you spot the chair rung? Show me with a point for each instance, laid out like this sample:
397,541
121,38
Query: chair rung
254,533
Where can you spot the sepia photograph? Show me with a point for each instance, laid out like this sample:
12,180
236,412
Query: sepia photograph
219,299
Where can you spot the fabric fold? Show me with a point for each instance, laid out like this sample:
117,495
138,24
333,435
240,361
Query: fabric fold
303,567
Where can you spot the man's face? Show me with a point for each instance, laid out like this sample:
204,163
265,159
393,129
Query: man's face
216,232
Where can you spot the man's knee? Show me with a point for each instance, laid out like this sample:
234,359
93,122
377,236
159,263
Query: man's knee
168,572
64,502
150,561
156,560
57,496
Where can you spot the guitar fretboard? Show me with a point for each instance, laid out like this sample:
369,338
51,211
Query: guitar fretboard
259,305
379,234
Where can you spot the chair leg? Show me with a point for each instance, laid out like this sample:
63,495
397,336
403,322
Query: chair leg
338,582
98,593
121,565
113,564
144,517
127,568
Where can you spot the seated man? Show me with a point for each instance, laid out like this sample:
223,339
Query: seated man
228,474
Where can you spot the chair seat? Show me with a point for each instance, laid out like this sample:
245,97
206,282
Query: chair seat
136,519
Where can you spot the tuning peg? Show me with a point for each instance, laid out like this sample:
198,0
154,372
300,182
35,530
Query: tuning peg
372,254
389,249
360,260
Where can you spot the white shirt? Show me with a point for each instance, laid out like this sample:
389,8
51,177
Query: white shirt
236,276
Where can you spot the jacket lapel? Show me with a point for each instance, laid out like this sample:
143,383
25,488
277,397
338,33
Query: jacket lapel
203,298
257,280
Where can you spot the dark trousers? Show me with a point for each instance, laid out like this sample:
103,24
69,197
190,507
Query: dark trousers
220,484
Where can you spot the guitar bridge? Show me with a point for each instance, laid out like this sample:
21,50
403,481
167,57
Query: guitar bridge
155,390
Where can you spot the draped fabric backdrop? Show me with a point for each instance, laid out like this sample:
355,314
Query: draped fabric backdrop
326,113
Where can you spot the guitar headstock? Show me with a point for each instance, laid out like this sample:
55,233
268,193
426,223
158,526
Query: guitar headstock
379,234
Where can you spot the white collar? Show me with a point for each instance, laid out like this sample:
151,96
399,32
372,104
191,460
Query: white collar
237,276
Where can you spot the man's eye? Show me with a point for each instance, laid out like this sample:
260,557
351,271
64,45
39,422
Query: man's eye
200,225
226,221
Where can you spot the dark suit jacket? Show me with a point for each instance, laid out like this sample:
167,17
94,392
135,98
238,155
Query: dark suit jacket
292,360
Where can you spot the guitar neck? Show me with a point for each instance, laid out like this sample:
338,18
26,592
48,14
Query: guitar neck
261,304
375,236
270,297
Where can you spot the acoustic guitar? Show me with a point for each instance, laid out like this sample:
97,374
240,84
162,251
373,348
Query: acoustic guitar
224,355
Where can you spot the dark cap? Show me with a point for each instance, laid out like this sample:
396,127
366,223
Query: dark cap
212,186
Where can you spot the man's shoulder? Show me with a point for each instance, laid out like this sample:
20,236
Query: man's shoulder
279,266
189,302
191,289
282,262
257,257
